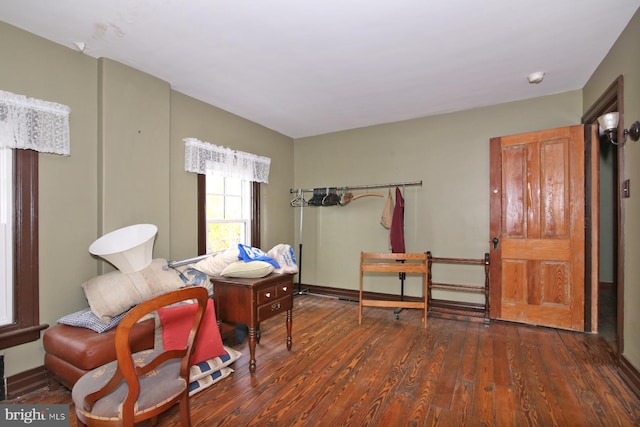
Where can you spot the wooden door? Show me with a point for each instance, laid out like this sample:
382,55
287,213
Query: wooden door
537,228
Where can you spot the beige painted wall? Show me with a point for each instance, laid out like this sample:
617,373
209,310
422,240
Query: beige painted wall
448,215
622,59
191,118
133,152
126,166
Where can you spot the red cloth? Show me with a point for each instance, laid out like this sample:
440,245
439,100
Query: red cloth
176,324
397,225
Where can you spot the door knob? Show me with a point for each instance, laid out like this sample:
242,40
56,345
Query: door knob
495,242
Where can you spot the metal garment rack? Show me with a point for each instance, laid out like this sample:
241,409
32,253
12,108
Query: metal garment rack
298,191
361,187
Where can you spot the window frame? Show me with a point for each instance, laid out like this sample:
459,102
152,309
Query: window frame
26,326
202,214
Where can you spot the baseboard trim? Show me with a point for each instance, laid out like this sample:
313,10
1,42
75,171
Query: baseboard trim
438,308
25,382
630,375
353,294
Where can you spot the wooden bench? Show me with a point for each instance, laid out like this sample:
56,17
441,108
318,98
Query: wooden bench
394,263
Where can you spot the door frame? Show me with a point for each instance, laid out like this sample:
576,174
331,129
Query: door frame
611,100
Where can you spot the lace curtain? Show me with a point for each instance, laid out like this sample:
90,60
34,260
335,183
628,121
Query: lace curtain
34,124
203,157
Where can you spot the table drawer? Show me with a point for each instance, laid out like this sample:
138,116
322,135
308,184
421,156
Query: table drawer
285,288
272,308
274,292
267,294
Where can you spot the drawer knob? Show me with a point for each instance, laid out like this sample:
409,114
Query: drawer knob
284,289
268,294
275,306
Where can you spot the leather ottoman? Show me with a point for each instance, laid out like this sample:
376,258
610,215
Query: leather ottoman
70,352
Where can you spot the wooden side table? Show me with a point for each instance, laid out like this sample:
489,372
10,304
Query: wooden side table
251,301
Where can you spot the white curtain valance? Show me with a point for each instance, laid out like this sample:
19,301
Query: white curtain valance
204,157
34,124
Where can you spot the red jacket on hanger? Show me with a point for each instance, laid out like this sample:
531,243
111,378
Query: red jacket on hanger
397,225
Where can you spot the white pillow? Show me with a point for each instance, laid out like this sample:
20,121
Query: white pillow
110,294
214,264
285,257
252,269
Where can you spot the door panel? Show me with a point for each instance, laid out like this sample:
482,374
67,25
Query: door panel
537,213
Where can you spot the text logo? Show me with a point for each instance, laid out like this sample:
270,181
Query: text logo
35,415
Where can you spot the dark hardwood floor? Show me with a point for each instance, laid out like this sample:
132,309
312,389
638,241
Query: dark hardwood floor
391,372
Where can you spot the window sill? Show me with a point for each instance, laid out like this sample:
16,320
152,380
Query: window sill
11,336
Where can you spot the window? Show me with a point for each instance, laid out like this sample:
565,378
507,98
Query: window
6,236
228,211
25,326
207,159
29,126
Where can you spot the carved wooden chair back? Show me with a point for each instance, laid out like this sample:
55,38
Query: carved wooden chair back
142,385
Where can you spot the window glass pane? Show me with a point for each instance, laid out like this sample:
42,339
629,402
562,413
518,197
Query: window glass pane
233,208
6,236
228,213
215,207
222,235
233,186
215,184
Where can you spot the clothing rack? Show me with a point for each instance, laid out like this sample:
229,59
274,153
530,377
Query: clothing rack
361,187
300,202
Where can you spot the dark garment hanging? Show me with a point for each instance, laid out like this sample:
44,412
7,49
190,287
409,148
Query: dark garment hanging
324,197
397,225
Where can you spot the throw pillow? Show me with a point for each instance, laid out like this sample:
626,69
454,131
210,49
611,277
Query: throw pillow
205,368
113,293
176,323
253,269
215,263
285,257
86,318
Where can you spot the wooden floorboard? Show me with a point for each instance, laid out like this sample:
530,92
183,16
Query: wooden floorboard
389,372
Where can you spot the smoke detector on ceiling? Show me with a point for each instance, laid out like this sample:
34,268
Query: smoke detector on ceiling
535,78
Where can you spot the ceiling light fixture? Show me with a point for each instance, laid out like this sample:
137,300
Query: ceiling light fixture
535,78
609,126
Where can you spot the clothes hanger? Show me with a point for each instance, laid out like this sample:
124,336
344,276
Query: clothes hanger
299,200
367,195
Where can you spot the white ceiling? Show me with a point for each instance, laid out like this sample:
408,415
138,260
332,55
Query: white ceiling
308,67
